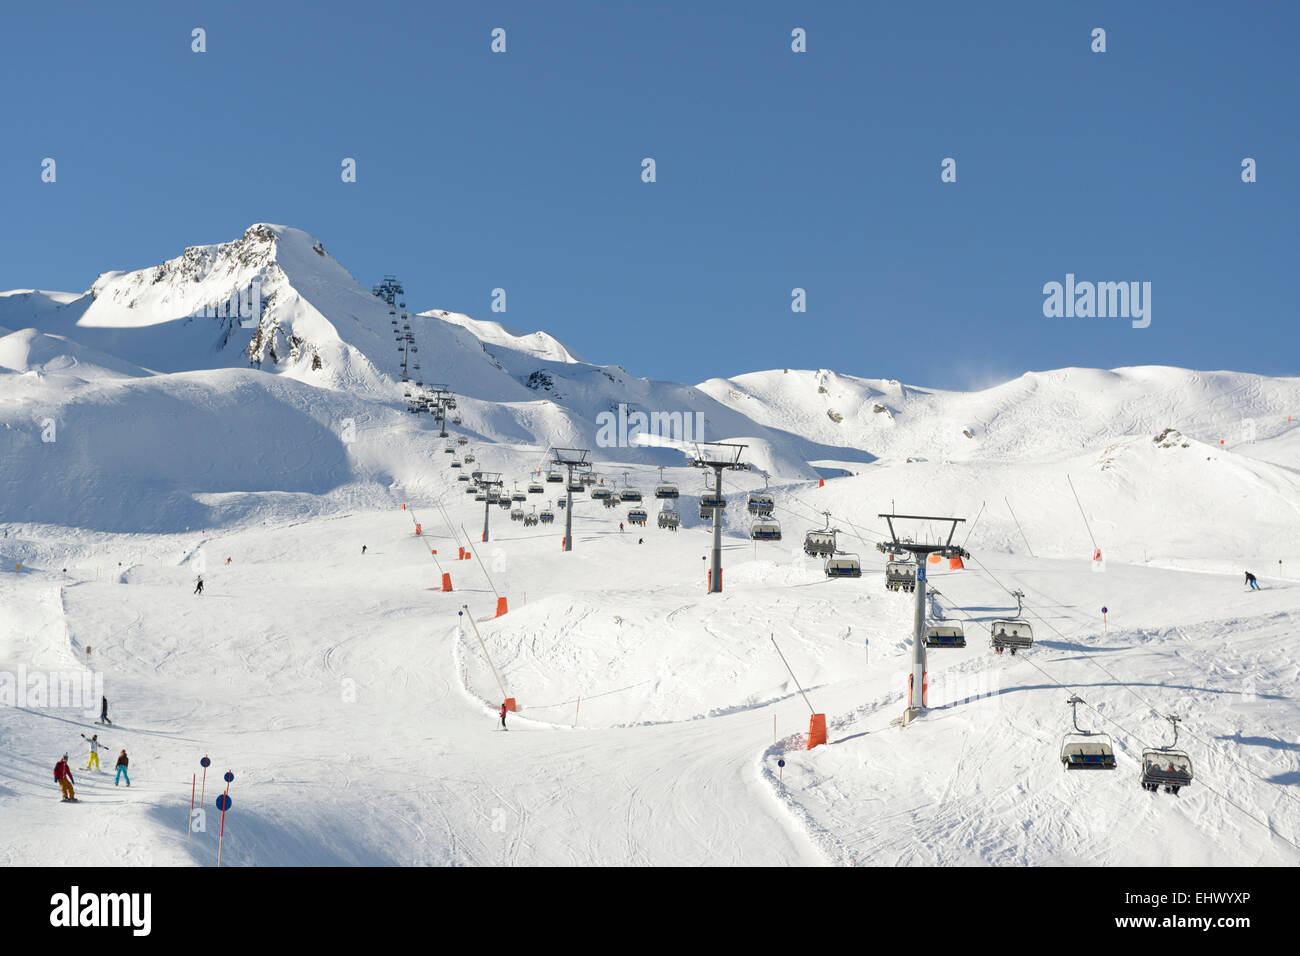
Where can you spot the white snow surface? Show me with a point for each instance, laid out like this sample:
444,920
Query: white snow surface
353,700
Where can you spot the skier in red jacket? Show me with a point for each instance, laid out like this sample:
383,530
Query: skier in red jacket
503,716
63,774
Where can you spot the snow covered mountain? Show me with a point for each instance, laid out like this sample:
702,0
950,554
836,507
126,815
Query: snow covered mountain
169,423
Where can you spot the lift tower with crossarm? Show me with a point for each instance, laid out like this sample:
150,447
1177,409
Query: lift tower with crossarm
918,680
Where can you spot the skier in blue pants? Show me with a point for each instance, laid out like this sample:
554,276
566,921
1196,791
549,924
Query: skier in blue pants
1250,579
121,769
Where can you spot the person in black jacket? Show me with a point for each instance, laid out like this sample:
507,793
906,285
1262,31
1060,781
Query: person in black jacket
121,769
1250,579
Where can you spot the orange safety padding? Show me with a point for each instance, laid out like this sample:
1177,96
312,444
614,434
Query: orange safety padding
816,730
821,482
925,689
403,506
511,705
934,558
419,529
446,581
501,606
955,564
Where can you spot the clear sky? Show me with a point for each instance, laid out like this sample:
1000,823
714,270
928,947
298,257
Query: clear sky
775,169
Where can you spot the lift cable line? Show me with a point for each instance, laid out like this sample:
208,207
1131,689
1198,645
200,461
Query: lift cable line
720,457
917,682
971,530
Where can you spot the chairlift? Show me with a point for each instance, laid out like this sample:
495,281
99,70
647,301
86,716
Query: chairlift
1086,749
945,635
555,478
820,542
669,519
765,529
711,500
843,564
1166,767
530,519
547,515
666,491
455,463
576,486
462,476
900,576
535,489
516,513
504,503
637,516
600,493
1014,634
469,457
462,440
479,495
561,504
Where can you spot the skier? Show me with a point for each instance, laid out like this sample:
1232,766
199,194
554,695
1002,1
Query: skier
227,560
620,526
1250,579
198,588
121,768
363,549
503,716
93,740
640,540
63,775
103,710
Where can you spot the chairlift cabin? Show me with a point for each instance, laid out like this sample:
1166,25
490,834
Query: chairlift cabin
900,576
516,513
547,515
518,495
534,488
576,486
503,503
945,635
1014,634
706,513
630,495
765,529
843,565
530,520
601,493
555,478
1086,749
666,490
670,520
1166,767
710,500
760,504
819,543
637,516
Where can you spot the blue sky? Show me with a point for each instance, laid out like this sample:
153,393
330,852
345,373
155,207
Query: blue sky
775,170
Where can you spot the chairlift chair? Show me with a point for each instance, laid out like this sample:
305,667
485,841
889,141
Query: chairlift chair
547,515
843,564
462,477
561,504
516,513
765,529
504,503
555,478
1166,767
760,504
535,489
637,516
455,463
1086,749
1015,634
468,457
665,490
900,576
669,519
600,493
462,440
576,486
945,635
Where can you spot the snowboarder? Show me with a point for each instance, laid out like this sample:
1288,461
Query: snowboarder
198,588
503,716
103,711
93,740
1250,579
640,540
121,768
63,776
363,549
